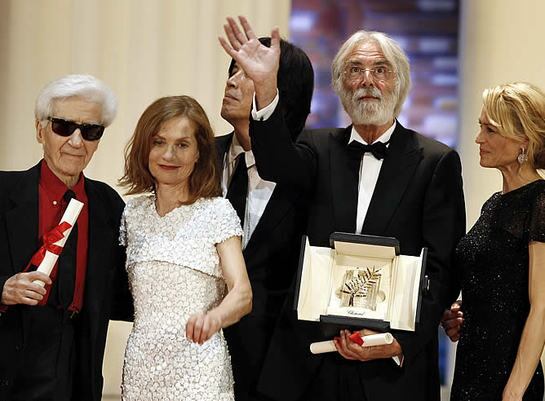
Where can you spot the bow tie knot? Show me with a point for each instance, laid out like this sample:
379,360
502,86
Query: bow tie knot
378,149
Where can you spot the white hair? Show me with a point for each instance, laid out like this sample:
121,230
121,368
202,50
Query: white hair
86,87
392,52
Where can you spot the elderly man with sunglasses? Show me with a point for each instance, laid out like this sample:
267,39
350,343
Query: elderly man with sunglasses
52,339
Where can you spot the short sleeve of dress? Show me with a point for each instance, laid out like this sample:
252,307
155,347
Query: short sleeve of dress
123,228
537,215
227,223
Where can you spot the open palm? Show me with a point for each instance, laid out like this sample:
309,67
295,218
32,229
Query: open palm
258,61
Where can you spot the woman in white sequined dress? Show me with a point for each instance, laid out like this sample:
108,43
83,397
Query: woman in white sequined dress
184,259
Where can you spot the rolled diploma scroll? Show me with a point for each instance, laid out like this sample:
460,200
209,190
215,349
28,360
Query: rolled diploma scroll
368,341
70,216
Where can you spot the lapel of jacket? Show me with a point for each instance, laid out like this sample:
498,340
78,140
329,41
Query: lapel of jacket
344,187
99,240
22,220
396,172
222,147
276,208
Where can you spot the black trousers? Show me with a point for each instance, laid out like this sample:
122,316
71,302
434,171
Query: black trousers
49,358
336,380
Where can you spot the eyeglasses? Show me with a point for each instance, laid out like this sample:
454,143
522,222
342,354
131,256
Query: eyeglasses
89,132
379,73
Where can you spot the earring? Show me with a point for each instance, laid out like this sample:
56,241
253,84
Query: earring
523,156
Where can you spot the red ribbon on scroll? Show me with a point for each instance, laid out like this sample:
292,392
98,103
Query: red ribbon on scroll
48,240
48,244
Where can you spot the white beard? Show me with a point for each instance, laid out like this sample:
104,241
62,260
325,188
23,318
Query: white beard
371,112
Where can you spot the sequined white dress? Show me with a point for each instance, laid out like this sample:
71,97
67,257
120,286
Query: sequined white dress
174,272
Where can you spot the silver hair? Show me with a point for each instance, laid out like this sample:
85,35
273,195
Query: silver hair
392,52
86,87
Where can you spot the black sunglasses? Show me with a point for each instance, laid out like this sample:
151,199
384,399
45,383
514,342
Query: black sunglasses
89,132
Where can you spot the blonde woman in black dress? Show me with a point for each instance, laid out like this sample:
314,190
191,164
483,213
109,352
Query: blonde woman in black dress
501,261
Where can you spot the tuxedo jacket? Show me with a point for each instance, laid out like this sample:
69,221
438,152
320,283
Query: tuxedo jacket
271,257
106,287
418,199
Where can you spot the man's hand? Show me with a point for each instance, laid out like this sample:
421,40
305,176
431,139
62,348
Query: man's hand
21,289
350,350
259,62
452,321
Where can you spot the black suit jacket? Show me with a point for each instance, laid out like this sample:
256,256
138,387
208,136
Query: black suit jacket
418,199
271,257
106,286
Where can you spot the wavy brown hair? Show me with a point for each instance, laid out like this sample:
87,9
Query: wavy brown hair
204,179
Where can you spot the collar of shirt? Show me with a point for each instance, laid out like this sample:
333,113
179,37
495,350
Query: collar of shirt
259,190
235,150
385,137
51,207
54,188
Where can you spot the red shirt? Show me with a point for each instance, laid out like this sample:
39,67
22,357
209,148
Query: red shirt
51,208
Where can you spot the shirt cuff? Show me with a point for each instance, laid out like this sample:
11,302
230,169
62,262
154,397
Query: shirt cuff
265,112
399,360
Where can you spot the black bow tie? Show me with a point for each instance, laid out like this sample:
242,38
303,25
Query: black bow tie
378,149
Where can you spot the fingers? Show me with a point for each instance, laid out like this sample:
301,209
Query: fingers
350,350
36,275
236,37
453,328
449,315
275,39
347,348
24,288
28,297
367,332
228,49
340,344
247,28
453,334
456,306
205,331
239,35
201,327
193,328
190,328
231,37
234,34
452,321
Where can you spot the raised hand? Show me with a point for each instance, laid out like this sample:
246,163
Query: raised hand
259,62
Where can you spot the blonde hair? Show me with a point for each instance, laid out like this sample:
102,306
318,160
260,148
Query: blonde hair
392,52
517,110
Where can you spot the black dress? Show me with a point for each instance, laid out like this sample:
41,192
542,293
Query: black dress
492,260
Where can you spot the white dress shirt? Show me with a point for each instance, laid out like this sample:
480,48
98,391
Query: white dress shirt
369,164
369,171
259,190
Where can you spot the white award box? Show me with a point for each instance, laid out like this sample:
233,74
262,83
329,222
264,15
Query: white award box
360,281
